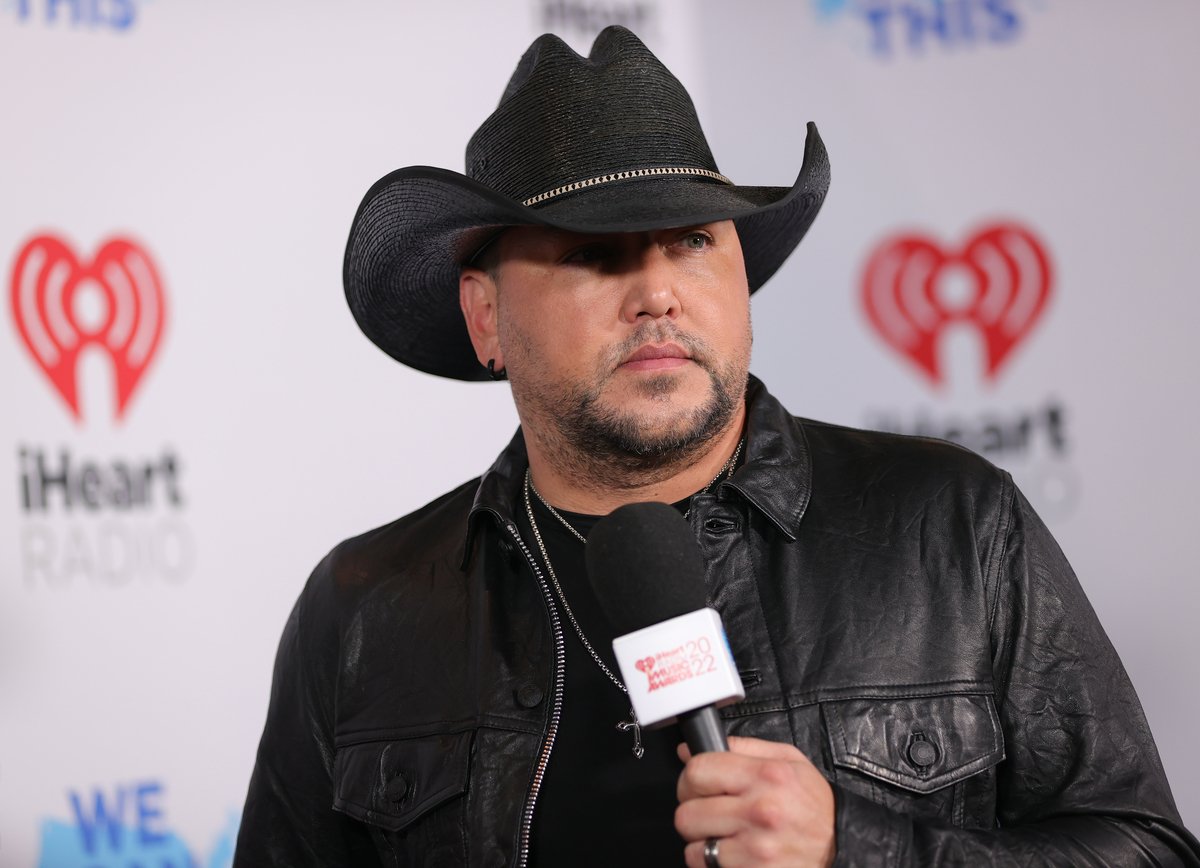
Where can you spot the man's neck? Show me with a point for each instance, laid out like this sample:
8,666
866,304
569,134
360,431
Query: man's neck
572,492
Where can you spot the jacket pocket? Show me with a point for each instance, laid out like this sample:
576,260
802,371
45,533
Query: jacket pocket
392,784
931,757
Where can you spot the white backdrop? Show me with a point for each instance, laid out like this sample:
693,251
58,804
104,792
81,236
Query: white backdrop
229,144
1073,121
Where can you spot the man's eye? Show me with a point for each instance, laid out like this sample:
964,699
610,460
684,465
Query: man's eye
696,240
590,253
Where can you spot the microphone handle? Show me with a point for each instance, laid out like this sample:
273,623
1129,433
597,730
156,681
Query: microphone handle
703,730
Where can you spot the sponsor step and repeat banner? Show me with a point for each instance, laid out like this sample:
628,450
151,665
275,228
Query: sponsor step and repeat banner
193,418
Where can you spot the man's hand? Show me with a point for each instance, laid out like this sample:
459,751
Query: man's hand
765,802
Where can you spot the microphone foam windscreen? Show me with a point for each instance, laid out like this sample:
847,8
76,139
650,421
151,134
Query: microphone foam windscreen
644,566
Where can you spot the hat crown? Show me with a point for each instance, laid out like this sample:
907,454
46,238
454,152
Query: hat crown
565,118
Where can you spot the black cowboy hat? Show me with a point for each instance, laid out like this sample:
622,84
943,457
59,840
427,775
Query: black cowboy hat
606,143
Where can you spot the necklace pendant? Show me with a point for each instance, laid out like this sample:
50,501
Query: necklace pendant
632,725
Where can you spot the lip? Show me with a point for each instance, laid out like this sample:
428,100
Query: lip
657,357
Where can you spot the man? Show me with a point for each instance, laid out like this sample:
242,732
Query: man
925,681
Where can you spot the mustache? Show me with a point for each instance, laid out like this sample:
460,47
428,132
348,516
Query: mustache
658,333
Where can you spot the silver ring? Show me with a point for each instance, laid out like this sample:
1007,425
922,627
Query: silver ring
712,847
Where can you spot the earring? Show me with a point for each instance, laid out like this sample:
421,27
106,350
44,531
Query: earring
493,373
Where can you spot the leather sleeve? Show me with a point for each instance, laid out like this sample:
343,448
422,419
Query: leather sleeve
288,819
1082,783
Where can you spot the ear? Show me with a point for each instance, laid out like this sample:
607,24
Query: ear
477,298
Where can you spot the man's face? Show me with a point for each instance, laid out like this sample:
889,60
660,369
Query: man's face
633,343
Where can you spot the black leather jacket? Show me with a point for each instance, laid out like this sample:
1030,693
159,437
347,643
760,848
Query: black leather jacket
896,610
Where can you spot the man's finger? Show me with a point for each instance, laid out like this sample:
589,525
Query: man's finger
757,747
730,854
716,773
713,817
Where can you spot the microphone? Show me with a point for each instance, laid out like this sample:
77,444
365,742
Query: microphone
646,570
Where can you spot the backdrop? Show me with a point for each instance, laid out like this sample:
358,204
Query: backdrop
194,419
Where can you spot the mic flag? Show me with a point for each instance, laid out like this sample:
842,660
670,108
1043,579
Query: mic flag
647,572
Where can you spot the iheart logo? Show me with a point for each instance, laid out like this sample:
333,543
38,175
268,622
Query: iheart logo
908,283
49,290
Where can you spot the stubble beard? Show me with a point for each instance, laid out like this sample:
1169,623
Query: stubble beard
607,446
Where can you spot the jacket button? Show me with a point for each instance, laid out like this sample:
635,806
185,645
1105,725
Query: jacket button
529,695
922,753
396,788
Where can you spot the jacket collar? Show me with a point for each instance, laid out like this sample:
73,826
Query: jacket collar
775,476
500,487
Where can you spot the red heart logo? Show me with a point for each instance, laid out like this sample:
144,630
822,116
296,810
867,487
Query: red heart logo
645,664
1008,275
46,282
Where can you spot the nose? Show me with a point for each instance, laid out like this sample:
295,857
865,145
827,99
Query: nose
652,290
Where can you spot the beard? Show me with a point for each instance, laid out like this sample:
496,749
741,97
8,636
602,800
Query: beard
620,446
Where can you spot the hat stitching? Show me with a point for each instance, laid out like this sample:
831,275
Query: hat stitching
621,176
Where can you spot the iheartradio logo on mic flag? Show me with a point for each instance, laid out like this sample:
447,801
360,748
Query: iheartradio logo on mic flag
997,282
678,665
63,305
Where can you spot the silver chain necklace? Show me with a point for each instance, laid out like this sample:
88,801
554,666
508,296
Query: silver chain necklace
632,724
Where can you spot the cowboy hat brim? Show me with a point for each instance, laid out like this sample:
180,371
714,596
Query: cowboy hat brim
417,225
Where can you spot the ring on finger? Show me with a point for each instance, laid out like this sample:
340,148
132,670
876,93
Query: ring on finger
712,847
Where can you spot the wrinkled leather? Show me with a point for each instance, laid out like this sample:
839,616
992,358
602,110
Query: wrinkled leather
895,607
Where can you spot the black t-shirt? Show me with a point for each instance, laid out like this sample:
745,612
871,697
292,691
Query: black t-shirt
598,804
